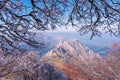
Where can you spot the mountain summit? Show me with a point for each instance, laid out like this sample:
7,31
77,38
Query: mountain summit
73,58
73,48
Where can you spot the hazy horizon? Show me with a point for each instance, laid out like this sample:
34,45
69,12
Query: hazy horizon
98,44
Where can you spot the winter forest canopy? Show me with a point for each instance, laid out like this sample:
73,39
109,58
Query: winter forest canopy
18,17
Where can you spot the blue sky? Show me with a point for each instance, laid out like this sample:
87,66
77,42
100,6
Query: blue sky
58,29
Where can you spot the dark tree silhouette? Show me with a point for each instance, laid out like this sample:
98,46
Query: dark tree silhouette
18,18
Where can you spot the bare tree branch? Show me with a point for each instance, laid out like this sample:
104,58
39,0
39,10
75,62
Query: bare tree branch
88,16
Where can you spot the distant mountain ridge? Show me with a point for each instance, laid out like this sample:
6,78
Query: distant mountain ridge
98,44
73,48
